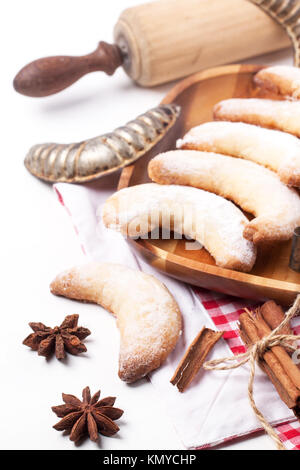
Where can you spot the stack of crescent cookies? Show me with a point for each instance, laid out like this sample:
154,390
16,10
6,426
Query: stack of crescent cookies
248,160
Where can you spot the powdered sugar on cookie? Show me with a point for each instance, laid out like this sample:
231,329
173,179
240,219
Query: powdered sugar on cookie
281,79
254,188
147,315
276,150
281,115
209,219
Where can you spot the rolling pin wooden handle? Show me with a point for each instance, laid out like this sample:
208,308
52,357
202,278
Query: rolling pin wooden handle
50,75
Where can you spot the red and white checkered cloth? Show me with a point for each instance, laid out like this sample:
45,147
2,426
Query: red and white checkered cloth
225,311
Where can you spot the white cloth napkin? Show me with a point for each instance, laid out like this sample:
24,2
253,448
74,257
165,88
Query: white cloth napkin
215,407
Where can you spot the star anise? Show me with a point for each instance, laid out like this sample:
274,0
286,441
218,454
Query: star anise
66,337
87,417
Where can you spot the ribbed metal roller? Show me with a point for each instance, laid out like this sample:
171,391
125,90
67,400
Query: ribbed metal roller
287,14
93,158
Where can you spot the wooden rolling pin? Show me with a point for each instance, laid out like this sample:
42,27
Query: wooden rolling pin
164,40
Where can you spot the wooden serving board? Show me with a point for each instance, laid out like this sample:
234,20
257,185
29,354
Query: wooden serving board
271,277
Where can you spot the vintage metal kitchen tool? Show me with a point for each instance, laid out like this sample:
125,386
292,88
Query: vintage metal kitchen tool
99,156
164,40
287,14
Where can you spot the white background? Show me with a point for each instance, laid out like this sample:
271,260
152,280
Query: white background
38,239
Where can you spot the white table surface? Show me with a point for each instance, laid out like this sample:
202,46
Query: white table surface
38,239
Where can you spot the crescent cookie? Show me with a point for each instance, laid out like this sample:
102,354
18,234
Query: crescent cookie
254,188
209,219
281,115
283,80
276,150
148,317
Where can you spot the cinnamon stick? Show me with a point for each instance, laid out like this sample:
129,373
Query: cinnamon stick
276,362
273,315
194,358
289,366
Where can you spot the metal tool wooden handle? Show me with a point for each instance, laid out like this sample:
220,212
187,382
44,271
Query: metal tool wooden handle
165,40
50,75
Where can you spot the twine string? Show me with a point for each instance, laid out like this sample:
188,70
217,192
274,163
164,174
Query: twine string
253,355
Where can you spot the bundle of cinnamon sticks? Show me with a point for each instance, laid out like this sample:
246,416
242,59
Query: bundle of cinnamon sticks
276,362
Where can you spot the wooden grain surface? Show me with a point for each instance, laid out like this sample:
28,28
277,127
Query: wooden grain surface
271,276
171,39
